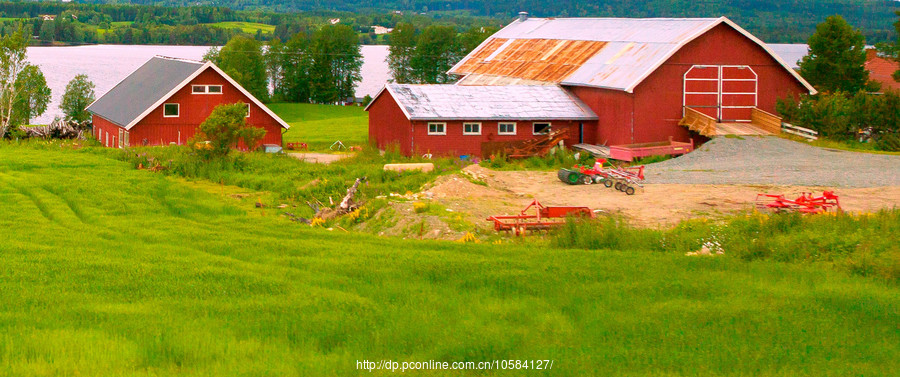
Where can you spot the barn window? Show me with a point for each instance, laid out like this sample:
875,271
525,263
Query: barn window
437,128
247,105
121,138
126,140
215,89
506,129
198,88
206,89
170,110
541,128
471,128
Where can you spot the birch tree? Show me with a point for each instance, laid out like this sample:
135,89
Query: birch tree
12,62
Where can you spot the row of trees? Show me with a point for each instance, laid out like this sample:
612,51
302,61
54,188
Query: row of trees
319,67
425,56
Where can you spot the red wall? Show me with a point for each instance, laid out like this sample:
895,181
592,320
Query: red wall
455,143
102,128
155,129
614,109
388,125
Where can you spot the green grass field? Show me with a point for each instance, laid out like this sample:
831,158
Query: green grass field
321,125
246,27
113,271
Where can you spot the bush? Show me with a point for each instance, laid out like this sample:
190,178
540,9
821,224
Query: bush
889,142
222,130
841,115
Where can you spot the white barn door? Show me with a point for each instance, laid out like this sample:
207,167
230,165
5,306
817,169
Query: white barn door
725,92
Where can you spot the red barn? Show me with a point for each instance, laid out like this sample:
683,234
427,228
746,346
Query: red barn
164,101
636,75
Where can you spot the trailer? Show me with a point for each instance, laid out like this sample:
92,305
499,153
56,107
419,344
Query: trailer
630,152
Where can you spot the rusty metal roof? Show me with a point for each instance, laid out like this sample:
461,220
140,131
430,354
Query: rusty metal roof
511,102
614,53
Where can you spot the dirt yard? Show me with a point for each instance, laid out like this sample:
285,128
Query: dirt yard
664,204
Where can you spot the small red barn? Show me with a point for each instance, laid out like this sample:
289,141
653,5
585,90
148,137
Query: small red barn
636,75
453,119
164,101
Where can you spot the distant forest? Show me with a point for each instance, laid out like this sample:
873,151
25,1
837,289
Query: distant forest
774,21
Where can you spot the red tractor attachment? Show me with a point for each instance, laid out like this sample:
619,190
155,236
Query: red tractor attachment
623,179
805,203
538,219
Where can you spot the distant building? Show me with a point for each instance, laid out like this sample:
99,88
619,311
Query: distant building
881,70
166,99
48,17
607,81
334,21
379,30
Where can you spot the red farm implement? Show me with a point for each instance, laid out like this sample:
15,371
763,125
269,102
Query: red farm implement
539,218
805,203
622,179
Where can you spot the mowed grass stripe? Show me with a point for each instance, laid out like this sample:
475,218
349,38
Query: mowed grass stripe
170,279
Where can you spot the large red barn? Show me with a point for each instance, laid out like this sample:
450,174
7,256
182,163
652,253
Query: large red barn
636,75
164,101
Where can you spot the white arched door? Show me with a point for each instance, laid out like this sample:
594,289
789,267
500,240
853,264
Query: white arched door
725,92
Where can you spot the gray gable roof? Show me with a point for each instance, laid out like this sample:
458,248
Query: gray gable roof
144,87
512,102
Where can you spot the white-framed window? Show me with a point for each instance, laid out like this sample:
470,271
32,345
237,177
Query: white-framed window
437,128
121,138
506,128
471,128
248,110
171,110
106,143
126,141
206,89
541,128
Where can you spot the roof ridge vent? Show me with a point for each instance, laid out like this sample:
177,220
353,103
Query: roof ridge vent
523,16
179,59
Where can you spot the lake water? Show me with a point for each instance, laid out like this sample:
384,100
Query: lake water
106,65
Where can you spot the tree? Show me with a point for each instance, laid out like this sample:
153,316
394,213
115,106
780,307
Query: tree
33,95
242,59
79,94
225,127
12,63
837,57
297,61
403,46
437,49
336,63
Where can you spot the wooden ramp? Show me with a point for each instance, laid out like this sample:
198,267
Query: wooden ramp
736,128
761,123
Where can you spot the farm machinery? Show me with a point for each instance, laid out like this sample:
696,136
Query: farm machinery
623,179
540,218
805,203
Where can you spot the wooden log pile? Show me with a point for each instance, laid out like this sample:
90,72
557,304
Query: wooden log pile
58,129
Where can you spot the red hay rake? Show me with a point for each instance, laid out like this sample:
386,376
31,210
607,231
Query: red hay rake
538,219
805,203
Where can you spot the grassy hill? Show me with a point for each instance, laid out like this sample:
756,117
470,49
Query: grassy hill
321,125
108,270
247,27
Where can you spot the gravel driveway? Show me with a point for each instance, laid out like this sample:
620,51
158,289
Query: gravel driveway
776,161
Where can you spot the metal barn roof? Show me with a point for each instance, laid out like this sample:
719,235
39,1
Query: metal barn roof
149,86
790,53
132,96
613,53
513,102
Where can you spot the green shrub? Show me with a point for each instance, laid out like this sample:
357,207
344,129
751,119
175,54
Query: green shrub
889,142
